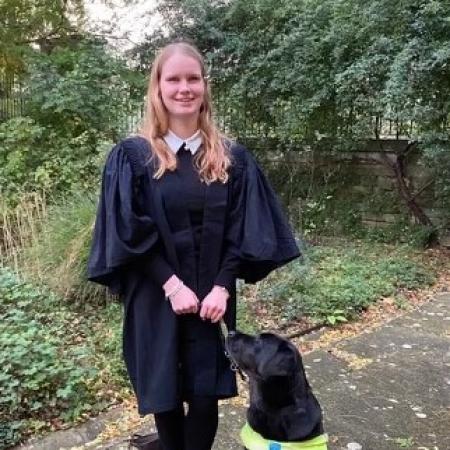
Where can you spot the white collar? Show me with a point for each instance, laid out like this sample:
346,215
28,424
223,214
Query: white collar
174,142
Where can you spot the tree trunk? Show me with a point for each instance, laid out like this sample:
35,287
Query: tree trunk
398,168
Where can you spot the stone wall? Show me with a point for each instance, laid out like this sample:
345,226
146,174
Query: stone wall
360,179
383,203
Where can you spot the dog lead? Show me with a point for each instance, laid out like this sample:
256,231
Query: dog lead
223,330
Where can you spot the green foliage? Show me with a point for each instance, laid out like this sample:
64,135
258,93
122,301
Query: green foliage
78,100
82,89
415,235
45,372
404,442
333,284
58,254
25,21
58,361
29,163
436,154
18,138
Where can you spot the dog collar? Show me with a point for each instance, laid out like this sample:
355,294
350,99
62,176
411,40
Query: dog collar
254,441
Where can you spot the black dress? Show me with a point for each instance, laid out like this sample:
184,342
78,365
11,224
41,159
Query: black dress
204,369
147,229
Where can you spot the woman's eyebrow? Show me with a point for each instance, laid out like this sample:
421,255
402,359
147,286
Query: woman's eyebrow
182,74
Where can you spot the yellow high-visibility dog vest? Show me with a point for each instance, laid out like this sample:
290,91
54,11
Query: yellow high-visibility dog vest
254,441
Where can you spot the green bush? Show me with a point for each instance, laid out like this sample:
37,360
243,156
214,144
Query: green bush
35,158
18,140
46,370
58,252
78,100
82,88
416,235
335,283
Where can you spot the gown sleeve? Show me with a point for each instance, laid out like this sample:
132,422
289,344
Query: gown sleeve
229,268
124,230
258,238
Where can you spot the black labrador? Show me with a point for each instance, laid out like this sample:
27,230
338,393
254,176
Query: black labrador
282,405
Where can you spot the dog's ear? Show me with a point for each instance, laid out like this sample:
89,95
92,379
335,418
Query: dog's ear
287,359
281,362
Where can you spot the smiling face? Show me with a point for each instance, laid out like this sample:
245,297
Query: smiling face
182,87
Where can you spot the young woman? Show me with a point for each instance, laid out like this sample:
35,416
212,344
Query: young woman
183,212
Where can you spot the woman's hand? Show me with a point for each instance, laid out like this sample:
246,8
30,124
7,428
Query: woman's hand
182,299
214,304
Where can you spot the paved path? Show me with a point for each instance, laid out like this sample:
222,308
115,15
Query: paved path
386,389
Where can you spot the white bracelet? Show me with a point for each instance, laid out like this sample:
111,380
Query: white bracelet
175,290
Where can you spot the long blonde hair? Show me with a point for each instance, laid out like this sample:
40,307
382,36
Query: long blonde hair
214,158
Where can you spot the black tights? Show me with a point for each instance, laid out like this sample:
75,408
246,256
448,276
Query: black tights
195,431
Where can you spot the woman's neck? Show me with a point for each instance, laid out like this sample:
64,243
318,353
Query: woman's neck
184,128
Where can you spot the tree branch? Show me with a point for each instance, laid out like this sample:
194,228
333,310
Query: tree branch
416,194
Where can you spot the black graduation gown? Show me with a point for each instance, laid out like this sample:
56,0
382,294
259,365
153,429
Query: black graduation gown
138,215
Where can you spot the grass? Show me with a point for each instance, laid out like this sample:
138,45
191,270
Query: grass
58,256
335,282
20,225
49,244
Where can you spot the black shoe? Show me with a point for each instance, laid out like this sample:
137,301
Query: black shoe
145,441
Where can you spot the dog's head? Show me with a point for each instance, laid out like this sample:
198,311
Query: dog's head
264,356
